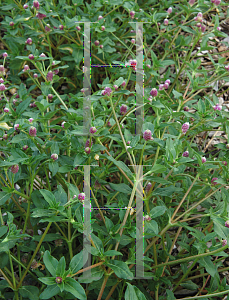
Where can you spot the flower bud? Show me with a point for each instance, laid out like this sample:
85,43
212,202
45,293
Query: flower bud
62,124
40,16
2,87
29,41
169,11
191,2
224,243
185,154
42,55
186,108
14,169
153,92
148,187
96,43
227,223
25,6
5,136
123,109
58,280
87,144
224,163
227,67
36,4
49,76
30,120
26,68
54,156
100,17
203,159
133,41
166,22
147,135
185,127
132,13
123,84
147,218
5,55
1,80
161,87
78,28
31,57
11,24
87,150
81,197
32,131
61,27
92,130
6,110
213,181
25,147
102,28
101,46
16,126
116,87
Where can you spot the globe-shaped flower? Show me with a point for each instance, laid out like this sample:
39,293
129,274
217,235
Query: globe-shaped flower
81,197
203,159
185,127
58,280
93,130
14,169
185,154
153,92
213,181
227,223
147,135
32,131
54,156
123,109
87,150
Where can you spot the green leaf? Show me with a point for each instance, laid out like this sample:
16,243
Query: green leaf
50,262
98,243
49,197
148,126
48,280
133,293
31,292
158,168
23,105
77,262
112,252
189,285
19,137
73,287
121,165
4,196
49,292
121,187
219,227
157,211
209,266
53,167
61,267
120,268
170,295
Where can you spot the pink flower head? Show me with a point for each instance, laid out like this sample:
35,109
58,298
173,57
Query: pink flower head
36,4
30,120
5,136
123,84
166,85
14,101
219,28
227,67
1,80
217,107
186,108
147,135
50,96
185,127
153,92
14,169
11,24
56,71
100,17
2,87
42,55
54,156
203,28
62,124
102,28
217,2
81,197
203,159
25,6
47,28
148,187
224,243
227,223
167,81
40,16
26,68
87,150
116,87
6,110
78,28
2,69
61,27
29,41
32,131
4,54
150,98
93,130
49,76
16,126
191,2
132,13
199,17
161,87
133,41
169,11
185,154
166,22
123,109
107,91
213,181
96,43
147,218
25,147
87,144
31,56
224,163
58,280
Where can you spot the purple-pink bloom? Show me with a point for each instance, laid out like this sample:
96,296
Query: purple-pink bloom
185,154
224,243
92,130
169,11
25,6
166,85
6,110
147,135
1,80
123,109
161,87
16,126
32,131
203,159
36,4
148,187
54,156
58,280
61,27
4,54
87,144
100,17
224,163
123,84
14,169
49,76
147,218
186,108
154,92
29,41
133,41
31,56
102,28
26,68
78,28
132,13
227,67
25,147
116,87
96,43
81,197
11,24
40,16
227,223
185,127
213,181
87,150
2,87
30,120
166,22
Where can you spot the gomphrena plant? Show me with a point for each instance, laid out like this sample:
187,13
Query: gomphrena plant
158,132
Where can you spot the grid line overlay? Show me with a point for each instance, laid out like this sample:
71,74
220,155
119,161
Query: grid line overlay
139,88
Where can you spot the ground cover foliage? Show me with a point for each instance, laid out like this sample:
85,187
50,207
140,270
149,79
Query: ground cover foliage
183,150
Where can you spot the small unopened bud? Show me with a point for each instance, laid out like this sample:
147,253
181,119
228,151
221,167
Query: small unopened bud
25,6
78,28
25,147
11,24
133,41
14,169
132,13
224,163
203,159
31,56
49,76
147,135
29,41
54,156
4,54
36,4
100,17
16,126
6,110
81,197
87,150
58,280
185,154
169,11
96,43
32,131
93,130
123,109
153,92
50,96
30,120
213,181
227,223
61,27
147,218
166,22
185,127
